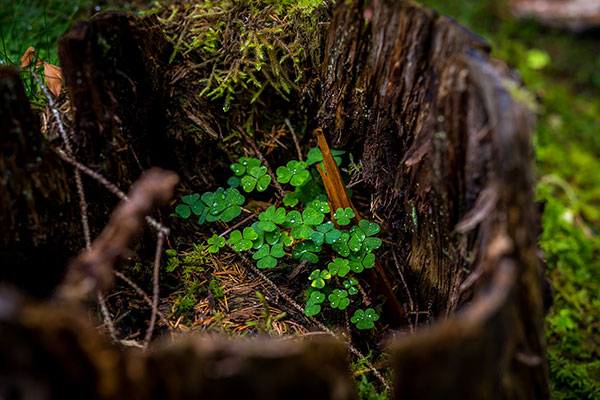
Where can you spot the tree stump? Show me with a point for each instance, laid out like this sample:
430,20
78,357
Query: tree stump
446,156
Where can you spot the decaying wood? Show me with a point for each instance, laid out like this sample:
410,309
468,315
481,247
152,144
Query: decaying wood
446,156
35,198
446,153
93,270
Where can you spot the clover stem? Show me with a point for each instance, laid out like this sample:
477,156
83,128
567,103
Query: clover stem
242,222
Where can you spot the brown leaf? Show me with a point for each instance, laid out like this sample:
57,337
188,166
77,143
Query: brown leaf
28,57
54,78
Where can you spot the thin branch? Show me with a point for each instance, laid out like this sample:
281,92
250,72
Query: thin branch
111,187
82,201
410,300
155,276
291,128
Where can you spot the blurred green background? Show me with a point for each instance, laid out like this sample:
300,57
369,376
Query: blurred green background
562,70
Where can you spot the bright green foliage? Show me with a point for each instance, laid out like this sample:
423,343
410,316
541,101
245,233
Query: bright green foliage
250,175
339,267
244,165
341,244
318,278
267,256
343,216
294,172
215,243
312,305
242,241
362,261
270,217
325,233
351,286
302,224
305,251
306,231
257,178
315,156
364,319
339,299
360,236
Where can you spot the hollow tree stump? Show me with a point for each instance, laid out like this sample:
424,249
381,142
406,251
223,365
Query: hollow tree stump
446,153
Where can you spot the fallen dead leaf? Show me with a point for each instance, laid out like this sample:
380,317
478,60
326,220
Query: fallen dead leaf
28,57
54,78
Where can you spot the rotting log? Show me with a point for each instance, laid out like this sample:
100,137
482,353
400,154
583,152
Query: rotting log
446,155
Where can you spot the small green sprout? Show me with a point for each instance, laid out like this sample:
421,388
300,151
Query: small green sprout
216,243
339,267
242,241
364,319
321,206
339,299
267,256
351,285
325,233
343,216
305,251
312,305
318,278
294,172
291,199
257,178
270,217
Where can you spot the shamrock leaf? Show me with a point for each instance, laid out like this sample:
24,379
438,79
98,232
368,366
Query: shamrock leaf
343,216
294,172
366,260
257,178
339,299
351,284
192,204
321,206
302,224
318,277
359,236
339,267
312,305
341,245
241,242
364,319
325,233
290,199
258,242
244,164
223,204
315,155
216,243
271,216
305,251
267,256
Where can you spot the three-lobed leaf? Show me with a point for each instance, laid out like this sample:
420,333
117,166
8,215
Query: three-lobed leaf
339,299
339,267
319,277
215,243
365,319
313,304
294,172
343,216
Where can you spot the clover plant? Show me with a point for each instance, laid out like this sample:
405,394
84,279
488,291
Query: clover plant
302,227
